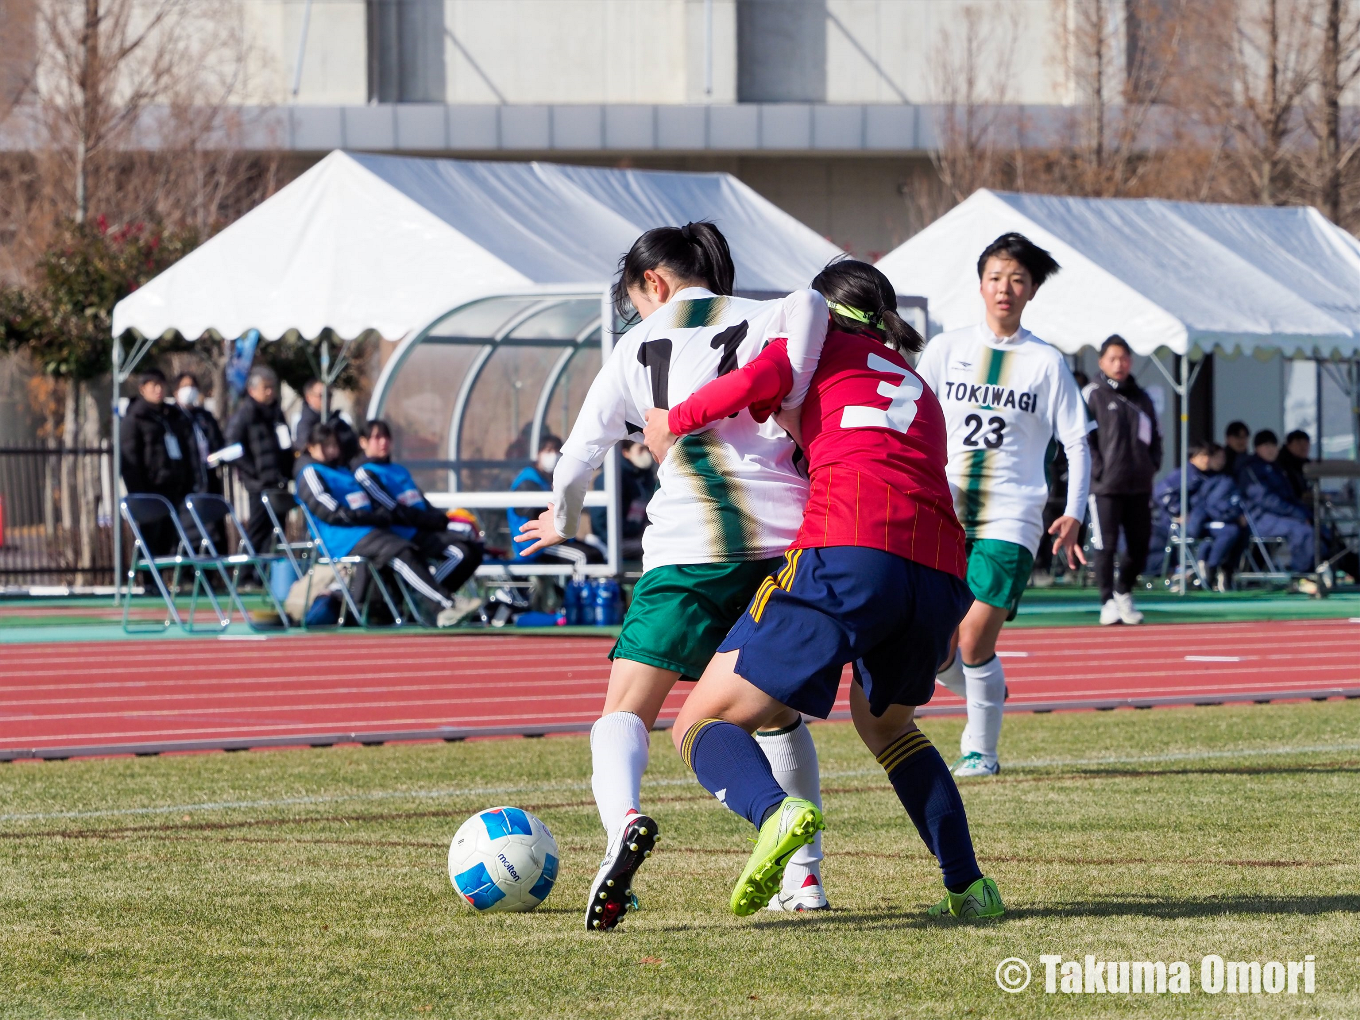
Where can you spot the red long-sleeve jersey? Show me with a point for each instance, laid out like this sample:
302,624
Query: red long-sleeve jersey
874,435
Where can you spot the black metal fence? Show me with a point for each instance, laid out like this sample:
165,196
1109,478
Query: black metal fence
58,507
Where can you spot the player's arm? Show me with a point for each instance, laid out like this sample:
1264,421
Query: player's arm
1071,425
802,323
762,386
930,366
601,423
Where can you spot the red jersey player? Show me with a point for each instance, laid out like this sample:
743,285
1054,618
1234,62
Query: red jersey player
874,578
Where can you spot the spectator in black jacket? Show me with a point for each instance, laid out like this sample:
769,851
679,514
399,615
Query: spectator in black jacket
313,392
1126,451
156,453
1293,455
1270,500
637,485
266,461
208,438
1236,443
1056,503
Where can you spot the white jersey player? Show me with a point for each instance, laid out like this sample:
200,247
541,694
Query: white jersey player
1006,394
729,502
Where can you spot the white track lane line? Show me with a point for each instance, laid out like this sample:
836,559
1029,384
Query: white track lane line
454,793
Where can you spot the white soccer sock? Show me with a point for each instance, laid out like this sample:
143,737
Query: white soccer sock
618,751
951,677
986,686
793,759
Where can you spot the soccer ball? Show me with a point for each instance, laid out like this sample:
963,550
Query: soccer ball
503,858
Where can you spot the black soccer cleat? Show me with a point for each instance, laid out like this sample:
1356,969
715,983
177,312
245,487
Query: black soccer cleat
611,894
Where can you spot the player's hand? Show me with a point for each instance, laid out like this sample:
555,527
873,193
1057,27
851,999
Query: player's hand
542,532
1068,532
658,435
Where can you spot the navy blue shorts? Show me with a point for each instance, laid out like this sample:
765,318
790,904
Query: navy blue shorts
892,618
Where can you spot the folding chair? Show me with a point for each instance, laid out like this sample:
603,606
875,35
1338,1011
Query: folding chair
1260,546
1170,576
207,510
144,509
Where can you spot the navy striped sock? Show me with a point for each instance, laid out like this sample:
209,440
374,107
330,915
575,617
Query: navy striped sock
928,792
729,764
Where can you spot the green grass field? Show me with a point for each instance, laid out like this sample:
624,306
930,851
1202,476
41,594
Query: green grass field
312,883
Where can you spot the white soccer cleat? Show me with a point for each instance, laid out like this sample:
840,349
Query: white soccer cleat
976,764
1109,613
1128,612
809,897
611,894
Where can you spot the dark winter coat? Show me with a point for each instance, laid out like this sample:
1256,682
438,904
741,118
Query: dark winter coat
265,463
344,433
1121,463
1213,497
1292,469
1266,490
208,439
157,450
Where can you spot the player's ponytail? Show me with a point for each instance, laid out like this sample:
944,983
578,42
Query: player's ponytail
863,300
696,252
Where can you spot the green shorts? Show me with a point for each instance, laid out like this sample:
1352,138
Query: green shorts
998,572
680,614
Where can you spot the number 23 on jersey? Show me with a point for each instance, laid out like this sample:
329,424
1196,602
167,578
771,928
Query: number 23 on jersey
991,438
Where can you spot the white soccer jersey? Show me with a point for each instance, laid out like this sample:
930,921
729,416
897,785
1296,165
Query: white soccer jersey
732,491
1003,401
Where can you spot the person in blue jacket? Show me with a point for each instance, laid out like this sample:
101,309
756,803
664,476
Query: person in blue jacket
1215,512
537,477
453,546
350,524
1269,498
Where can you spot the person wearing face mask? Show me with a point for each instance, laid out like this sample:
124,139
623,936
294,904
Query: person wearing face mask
156,453
637,485
538,477
208,438
453,545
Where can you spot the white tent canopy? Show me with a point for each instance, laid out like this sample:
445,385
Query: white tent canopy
389,243
1185,276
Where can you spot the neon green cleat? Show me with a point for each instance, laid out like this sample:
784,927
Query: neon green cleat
794,825
980,899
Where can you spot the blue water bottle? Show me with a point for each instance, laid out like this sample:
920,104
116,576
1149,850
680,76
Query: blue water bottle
608,603
574,601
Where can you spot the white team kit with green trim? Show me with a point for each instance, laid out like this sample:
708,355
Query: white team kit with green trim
732,491
1003,401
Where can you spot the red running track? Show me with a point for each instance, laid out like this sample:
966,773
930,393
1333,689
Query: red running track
59,700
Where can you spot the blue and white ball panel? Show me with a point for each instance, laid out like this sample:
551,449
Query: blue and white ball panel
546,881
478,888
507,821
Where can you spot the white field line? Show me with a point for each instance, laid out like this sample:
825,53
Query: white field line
453,793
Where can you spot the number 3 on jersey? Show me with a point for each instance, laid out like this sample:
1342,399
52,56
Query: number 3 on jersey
897,415
992,439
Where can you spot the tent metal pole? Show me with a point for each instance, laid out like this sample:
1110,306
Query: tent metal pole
613,518
325,378
115,517
1185,467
